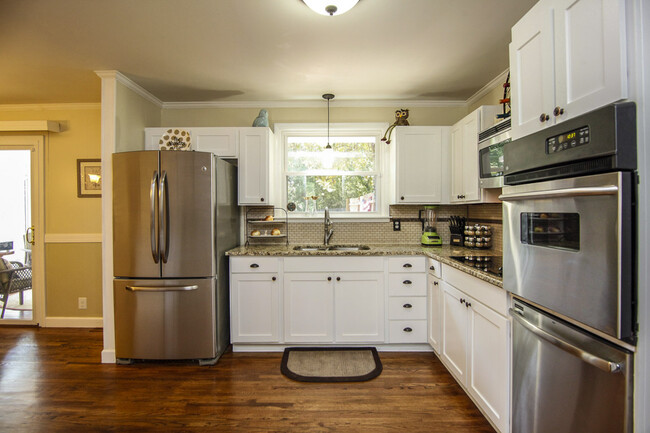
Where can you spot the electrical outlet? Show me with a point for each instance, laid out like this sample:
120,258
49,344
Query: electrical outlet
83,303
397,225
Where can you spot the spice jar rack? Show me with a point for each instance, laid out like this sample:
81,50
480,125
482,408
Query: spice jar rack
478,236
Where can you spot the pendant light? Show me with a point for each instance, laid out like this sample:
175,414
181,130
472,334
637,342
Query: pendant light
330,7
328,155
328,97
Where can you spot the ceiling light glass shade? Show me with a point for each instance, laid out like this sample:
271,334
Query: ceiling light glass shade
330,7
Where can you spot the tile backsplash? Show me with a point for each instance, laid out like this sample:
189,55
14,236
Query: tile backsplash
411,227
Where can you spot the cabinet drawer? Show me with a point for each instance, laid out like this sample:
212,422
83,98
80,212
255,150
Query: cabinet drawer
408,331
406,264
254,264
407,284
407,308
433,266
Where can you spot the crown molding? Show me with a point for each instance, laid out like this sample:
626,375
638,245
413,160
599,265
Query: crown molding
368,103
52,107
126,81
496,82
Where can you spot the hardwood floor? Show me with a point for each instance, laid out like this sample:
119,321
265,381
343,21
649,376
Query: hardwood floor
51,380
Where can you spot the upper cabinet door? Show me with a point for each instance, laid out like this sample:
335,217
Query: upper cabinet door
590,55
567,57
532,71
421,163
254,165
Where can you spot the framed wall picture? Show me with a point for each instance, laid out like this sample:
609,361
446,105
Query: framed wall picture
89,178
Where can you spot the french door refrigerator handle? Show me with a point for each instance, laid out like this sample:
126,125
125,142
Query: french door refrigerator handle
155,251
163,197
162,289
567,192
596,361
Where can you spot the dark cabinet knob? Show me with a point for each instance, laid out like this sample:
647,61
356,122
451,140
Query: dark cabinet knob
261,198
273,278
338,278
432,268
254,265
329,278
407,306
407,329
407,281
468,304
558,111
407,265
462,301
435,283
543,117
401,198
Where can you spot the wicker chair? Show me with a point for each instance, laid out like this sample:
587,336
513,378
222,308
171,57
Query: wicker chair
14,280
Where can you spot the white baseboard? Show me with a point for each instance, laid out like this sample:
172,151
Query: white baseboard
73,322
108,356
405,347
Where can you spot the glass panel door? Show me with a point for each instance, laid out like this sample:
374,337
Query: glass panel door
16,233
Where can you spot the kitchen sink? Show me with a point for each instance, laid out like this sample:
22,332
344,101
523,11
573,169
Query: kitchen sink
331,248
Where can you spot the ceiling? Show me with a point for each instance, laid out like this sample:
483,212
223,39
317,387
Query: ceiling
254,50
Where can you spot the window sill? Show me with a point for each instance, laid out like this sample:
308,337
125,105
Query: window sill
340,219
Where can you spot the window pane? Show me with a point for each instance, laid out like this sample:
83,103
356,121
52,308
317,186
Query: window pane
347,154
338,193
551,230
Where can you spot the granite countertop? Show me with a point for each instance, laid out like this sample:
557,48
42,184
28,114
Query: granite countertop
441,253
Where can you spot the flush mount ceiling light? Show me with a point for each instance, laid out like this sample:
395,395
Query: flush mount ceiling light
330,7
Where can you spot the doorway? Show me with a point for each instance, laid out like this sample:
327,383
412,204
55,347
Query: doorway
21,258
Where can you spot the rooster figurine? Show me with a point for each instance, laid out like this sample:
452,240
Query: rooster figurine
401,117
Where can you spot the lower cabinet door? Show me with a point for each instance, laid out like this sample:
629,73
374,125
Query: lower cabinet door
434,312
254,308
359,307
488,373
454,330
308,307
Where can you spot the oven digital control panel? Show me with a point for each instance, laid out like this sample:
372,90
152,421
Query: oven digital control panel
568,140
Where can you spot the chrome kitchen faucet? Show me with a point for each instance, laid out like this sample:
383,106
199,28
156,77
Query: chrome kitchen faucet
328,228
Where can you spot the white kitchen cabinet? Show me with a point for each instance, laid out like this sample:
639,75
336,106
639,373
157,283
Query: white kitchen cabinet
464,155
421,164
308,307
567,57
474,346
454,332
255,300
359,307
222,141
407,289
255,308
434,306
256,167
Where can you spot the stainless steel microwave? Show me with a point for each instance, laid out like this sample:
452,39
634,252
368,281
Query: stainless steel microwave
490,154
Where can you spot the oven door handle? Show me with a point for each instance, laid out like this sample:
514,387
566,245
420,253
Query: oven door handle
567,192
596,361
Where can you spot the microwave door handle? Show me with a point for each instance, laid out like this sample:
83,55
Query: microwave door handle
155,251
567,192
596,361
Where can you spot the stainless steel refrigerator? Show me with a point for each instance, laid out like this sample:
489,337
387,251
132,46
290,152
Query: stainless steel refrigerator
174,215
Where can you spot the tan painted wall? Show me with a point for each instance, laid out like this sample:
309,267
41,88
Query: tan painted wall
133,113
435,116
71,270
492,98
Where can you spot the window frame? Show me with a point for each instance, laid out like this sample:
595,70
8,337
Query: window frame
384,173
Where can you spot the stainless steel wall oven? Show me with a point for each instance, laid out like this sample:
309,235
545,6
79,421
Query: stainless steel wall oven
569,218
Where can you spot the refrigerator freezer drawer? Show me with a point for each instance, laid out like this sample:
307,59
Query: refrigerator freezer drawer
165,319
